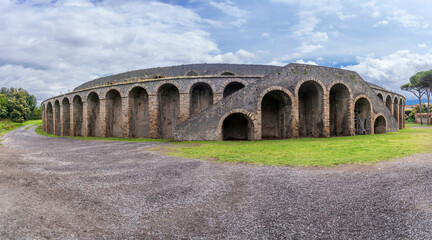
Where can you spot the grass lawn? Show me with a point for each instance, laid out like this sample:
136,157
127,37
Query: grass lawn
312,151
40,132
361,149
6,125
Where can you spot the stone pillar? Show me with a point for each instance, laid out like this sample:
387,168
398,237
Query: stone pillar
102,118
326,114
72,120
62,120
153,116
351,118
54,119
184,110
217,97
43,119
125,117
84,129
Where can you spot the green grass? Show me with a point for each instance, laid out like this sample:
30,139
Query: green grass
40,132
311,151
417,124
6,125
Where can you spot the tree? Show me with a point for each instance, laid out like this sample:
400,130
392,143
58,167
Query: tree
415,88
18,104
426,83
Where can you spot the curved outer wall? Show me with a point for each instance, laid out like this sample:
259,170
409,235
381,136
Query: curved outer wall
207,125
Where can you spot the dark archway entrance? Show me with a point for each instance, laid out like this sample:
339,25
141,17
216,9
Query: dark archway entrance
93,105
139,113
237,126
66,117
50,118
389,103
380,96
310,97
380,125
401,114
201,98
169,107
231,88
57,118
77,115
362,116
276,115
114,114
339,110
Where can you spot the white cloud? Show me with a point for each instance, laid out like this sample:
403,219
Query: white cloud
405,19
422,45
48,48
228,8
308,62
393,70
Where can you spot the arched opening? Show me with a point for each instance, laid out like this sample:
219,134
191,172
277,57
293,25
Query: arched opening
339,110
57,117
395,110
77,115
50,119
228,74
401,114
380,96
43,117
191,73
276,115
201,98
66,117
237,126
113,114
93,105
389,103
310,97
139,113
362,116
380,125
231,88
169,107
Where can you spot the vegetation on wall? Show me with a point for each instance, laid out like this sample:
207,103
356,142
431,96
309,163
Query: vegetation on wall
18,105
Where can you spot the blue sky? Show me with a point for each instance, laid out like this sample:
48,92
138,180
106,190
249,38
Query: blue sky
50,47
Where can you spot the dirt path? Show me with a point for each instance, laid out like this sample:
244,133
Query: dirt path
54,188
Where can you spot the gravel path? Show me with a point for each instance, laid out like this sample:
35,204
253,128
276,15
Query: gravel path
54,188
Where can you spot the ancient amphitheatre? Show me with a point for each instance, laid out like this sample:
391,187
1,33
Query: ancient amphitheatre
226,102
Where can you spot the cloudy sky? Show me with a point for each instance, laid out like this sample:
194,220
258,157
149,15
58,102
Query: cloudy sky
49,47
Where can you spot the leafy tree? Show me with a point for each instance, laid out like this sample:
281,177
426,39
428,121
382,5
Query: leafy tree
415,88
18,104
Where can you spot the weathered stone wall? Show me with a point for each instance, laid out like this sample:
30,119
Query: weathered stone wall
292,101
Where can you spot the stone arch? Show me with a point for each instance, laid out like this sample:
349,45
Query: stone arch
237,126
191,73
201,97
395,109
388,103
169,109
401,114
138,113
310,96
340,96
380,96
105,92
93,115
232,87
57,122
66,117
276,118
380,124
50,118
362,115
78,115
113,106
157,88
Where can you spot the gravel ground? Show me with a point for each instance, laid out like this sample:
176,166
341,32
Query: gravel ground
54,188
